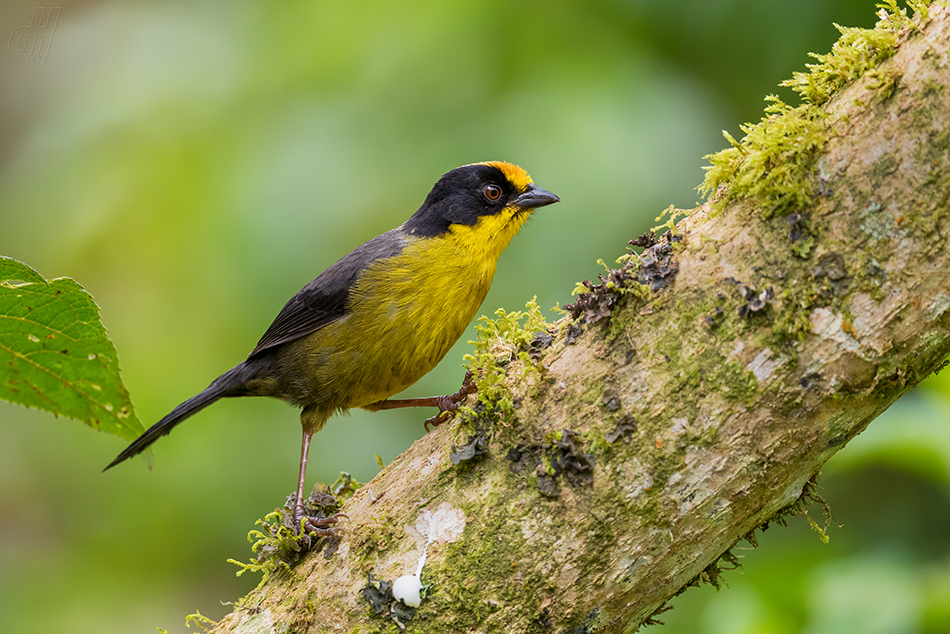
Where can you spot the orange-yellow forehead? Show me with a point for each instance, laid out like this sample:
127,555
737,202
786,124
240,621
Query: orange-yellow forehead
515,175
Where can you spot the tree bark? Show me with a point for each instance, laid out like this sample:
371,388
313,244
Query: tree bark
694,416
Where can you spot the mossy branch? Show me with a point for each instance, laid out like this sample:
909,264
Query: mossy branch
691,397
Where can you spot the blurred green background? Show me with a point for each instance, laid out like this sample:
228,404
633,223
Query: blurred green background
194,164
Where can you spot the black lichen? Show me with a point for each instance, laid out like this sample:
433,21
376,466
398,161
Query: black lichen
379,595
561,455
800,235
610,401
753,299
832,273
655,269
567,458
596,303
541,341
544,619
625,429
796,228
520,456
646,240
547,484
714,318
573,333
475,447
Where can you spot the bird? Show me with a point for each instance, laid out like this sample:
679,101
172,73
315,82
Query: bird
382,316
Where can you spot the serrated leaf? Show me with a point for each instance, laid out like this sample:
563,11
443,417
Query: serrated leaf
12,271
55,354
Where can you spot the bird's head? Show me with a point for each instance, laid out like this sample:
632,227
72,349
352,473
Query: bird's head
484,204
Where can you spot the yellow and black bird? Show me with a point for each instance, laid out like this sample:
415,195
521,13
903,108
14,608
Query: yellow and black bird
384,315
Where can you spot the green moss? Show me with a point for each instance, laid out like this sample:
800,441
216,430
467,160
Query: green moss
199,621
500,341
727,376
775,160
855,52
883,82
803,247
738,383
276,548
621,319
597,444
346,485
474,569
772,162
378,536
672,214
792,322
477,571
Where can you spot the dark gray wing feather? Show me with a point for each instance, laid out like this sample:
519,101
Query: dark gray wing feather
324,300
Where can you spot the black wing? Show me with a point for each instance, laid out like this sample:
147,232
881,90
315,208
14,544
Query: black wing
324,300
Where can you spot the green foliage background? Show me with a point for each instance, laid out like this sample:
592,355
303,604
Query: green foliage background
193,164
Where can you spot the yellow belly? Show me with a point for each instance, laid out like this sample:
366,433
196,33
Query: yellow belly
405,313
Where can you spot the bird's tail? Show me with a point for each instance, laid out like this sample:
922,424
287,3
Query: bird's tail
231,383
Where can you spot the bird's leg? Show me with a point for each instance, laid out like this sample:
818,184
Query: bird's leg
447,404
303,522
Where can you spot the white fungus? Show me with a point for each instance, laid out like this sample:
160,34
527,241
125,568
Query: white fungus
444,525
408,589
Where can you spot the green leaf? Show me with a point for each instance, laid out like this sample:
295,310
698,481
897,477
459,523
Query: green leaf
15,271
55,354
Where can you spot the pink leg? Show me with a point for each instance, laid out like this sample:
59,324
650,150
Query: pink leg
447,404
304,523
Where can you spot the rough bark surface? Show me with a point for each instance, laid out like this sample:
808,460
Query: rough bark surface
697,423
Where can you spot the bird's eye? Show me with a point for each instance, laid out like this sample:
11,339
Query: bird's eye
492,192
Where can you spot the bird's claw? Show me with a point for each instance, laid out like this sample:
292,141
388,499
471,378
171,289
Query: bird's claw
449,404
314,526
437,420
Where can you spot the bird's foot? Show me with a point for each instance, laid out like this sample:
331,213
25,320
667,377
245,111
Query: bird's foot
314,526
449,403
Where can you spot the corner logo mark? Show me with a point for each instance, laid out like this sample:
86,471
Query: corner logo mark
32,43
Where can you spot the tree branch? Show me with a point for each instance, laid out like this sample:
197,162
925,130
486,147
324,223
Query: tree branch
695,412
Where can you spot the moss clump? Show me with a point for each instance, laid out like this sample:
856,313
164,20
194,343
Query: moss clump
272,546
509,336
200,622
773,162
855,52
278,546
346,485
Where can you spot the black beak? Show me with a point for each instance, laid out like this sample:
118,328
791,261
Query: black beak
534,197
